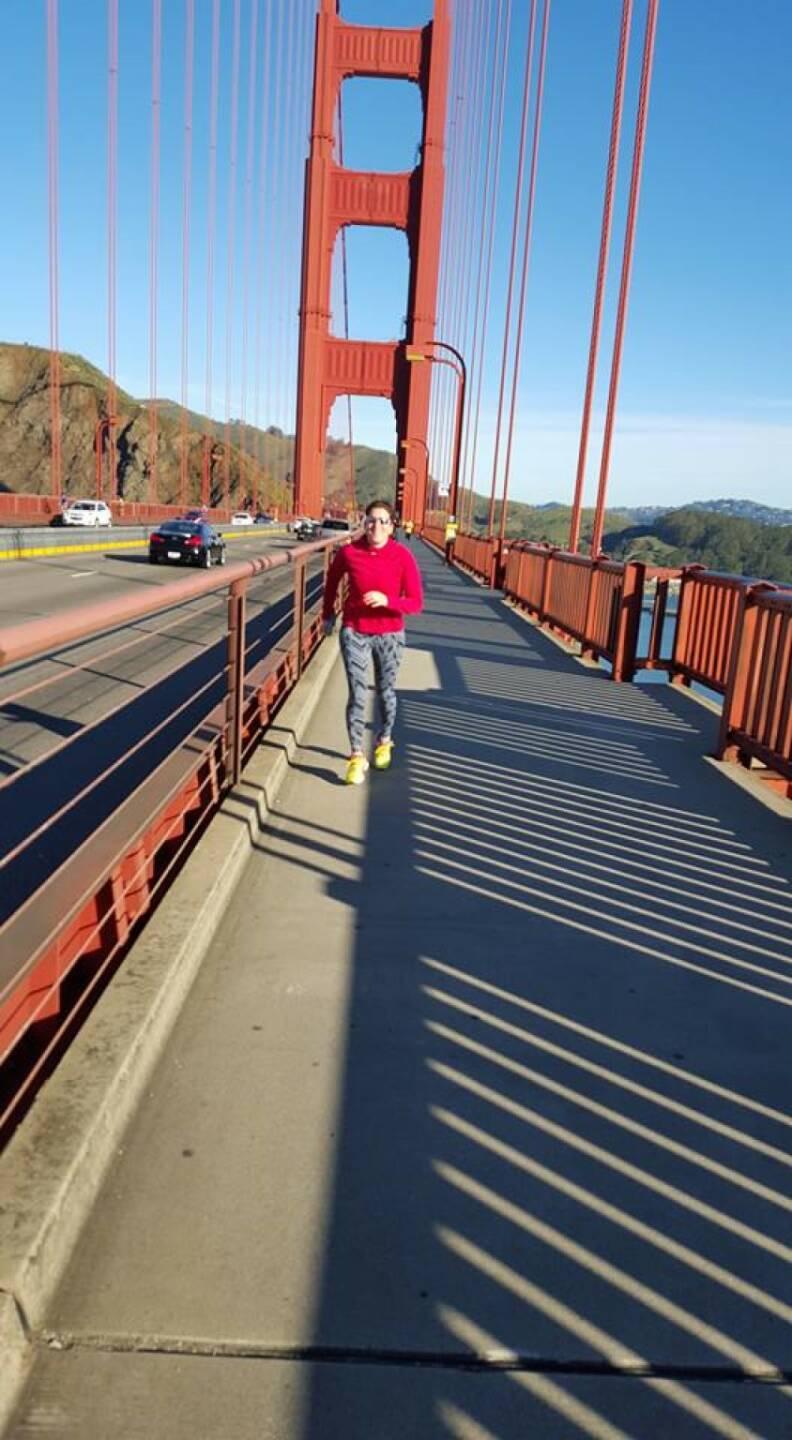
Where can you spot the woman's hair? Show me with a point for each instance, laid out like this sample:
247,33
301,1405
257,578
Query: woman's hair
380,505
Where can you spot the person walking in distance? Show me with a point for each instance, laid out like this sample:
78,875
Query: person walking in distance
383,585
408,531
449,537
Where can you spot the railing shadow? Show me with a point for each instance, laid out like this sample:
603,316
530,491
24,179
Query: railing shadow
563,1148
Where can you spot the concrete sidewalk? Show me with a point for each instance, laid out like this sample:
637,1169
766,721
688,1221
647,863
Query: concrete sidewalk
476,1121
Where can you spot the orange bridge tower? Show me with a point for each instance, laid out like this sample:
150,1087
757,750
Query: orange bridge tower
330,366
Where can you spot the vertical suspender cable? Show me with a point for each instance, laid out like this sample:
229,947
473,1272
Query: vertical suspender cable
207,496
624,287
154,216
52,189
476,359
525,259
513,259
258,458
476,152
345,280
112,168
275,200
231,244
283,242
445,240
451,235
475,249
490,248
247,236
460,302
296,172
607,216
189,41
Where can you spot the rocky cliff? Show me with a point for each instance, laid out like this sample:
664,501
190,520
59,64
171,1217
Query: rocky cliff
25,441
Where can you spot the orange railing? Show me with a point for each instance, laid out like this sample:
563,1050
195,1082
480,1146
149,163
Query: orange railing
96,820
757,710
596,602
709,606
477,554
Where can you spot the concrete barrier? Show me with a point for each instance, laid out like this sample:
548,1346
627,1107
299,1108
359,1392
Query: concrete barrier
41,540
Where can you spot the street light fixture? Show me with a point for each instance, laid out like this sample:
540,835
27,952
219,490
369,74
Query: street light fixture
415,357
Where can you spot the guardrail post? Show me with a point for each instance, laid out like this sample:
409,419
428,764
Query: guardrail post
658,620
629,621
544,601
236,678
682,631
586,647
299,612
741,667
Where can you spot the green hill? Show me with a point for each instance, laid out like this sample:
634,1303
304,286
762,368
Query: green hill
719,541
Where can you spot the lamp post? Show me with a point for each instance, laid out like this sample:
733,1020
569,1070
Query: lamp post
414,357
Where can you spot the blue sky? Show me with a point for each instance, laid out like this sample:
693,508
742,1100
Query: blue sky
705,404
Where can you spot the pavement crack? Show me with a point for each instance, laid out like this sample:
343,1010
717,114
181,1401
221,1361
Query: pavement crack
495,1361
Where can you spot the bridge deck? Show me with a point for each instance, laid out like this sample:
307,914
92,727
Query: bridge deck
489,1060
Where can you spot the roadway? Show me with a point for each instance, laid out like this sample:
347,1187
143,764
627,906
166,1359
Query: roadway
30,589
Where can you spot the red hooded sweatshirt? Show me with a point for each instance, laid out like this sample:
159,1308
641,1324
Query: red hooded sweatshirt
391,569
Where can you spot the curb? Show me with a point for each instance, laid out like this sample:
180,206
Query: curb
54,1166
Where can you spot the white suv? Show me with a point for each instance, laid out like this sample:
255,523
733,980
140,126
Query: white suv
87,512
242,517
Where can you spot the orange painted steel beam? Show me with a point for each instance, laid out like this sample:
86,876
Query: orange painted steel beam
329,367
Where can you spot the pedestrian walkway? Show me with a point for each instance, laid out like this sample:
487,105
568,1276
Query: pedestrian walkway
476,1122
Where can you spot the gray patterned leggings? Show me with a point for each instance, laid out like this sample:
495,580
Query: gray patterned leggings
386,651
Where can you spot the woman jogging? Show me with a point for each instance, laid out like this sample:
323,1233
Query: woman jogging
384,585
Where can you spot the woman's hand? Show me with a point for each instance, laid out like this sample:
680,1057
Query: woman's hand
375,599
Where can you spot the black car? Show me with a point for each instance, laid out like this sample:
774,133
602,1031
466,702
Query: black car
306,529
261,519
187,542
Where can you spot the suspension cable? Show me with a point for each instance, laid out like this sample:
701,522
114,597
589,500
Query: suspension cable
189,45
515,233
231,244
154,224
496,169
624,286
602,266
247,228
112,186
207,496
52,189
258,458
525,259
345,283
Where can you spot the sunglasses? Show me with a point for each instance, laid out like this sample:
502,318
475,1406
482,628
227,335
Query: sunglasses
375,520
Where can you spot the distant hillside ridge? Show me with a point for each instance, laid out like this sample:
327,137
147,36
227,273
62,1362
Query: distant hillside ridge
670,538
738,509
721,542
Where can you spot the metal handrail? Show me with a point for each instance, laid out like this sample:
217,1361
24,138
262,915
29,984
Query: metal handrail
114,861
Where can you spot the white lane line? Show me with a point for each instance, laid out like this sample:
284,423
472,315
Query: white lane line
78,574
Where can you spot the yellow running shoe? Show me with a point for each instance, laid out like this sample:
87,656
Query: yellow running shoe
356,769
383,755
